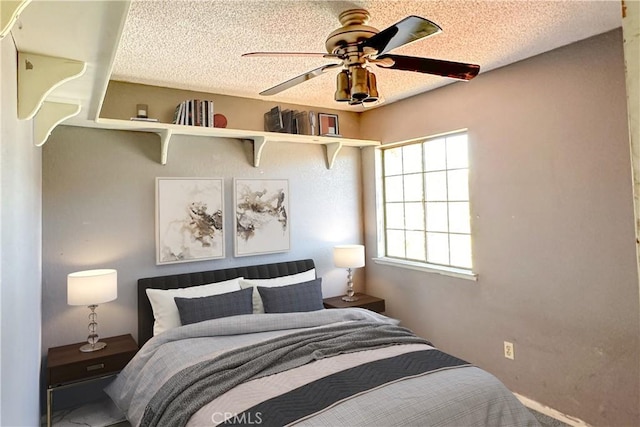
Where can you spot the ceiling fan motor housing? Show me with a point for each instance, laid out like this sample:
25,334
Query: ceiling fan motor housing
353,30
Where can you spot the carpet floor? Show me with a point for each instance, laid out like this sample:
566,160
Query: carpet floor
547,421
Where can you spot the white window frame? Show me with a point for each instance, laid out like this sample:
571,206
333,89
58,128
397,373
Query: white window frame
381,258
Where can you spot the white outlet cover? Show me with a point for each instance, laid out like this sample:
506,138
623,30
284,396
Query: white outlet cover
509,352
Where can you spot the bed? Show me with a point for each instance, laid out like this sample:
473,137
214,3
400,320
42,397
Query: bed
281,359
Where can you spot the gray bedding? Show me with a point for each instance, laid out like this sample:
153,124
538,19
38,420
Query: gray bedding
455,397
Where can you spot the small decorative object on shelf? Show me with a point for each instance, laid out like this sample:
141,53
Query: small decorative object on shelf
219,121
313,123
328,124
142,114
194,112
142,111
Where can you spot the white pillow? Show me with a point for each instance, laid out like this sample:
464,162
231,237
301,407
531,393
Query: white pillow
292,279
165,311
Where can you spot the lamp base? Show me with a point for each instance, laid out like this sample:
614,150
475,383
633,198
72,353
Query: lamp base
88,348
350,298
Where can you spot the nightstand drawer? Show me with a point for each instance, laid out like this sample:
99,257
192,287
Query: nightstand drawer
68,364
89,368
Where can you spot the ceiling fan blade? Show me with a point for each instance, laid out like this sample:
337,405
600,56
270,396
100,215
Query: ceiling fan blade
408,30
455,70
294,54
299,79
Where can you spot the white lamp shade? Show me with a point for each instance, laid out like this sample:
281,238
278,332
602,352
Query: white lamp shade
348,256
92,287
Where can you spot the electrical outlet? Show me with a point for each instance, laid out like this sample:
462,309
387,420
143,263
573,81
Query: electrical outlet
508,350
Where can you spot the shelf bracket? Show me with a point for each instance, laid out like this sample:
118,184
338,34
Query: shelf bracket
258,145
333,148
38,76
165,138
9,12
50,115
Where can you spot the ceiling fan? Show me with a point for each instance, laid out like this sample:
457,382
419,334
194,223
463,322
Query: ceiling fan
359,46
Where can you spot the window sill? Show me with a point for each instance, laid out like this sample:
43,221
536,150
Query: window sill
427,268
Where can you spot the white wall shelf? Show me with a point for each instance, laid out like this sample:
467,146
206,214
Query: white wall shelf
50,115
9,12
38,76
260,139
64,63
52,28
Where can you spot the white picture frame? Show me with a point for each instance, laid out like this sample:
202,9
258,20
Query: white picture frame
262,216
328,124
189,219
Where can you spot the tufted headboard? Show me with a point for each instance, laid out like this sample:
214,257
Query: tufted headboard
262,271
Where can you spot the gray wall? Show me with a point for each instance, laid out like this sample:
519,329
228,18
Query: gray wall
99,211
20,269
553,232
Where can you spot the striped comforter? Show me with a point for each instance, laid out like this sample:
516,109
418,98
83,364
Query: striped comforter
353,385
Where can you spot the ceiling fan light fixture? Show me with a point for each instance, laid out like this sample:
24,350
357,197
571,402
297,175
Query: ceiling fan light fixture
359,83
373,88
343,93
355,46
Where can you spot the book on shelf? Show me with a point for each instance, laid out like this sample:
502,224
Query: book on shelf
273,120
290,121
302,123
194,112
287,121
207,114
176,114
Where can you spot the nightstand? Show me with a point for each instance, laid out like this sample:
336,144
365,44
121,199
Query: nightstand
364,301
67,366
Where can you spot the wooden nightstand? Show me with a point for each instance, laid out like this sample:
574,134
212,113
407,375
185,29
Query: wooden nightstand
365,301
67,366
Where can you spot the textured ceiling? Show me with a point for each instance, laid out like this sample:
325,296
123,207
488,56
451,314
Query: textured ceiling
197,45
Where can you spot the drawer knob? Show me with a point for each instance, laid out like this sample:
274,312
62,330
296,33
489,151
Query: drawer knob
95,367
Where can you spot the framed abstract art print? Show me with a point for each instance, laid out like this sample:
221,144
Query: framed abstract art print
189,219
262,216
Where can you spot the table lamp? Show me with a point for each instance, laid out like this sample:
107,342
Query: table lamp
90,288
349,257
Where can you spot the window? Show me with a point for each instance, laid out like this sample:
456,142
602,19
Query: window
426,202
